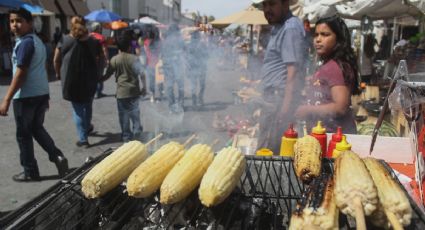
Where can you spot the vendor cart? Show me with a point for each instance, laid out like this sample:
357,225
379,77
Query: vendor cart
265,198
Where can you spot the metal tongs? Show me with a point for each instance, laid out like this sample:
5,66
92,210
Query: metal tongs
399,74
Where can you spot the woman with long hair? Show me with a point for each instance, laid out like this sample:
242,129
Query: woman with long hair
331,87
75,64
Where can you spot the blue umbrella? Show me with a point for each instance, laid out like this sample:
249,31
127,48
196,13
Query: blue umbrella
17,3
34,9
102,16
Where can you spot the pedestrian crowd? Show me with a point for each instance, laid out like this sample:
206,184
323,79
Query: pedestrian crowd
157,63
82,63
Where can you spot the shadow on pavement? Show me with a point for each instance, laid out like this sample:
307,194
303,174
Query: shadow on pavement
213,106
177,134
50,177
105,96
109,138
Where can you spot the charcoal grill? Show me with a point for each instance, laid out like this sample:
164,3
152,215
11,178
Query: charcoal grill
265,198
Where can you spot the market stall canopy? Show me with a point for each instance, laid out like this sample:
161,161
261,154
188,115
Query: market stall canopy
147,20
249,16
376,9
116,25
420,4
102,16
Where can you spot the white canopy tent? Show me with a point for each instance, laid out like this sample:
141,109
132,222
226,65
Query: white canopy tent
375,9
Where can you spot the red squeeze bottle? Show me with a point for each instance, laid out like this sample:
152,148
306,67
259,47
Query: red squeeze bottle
319,132
336,138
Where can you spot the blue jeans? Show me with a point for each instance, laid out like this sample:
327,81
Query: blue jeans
99,88
174,76
82,115
150,72
128,110
29,117
197,76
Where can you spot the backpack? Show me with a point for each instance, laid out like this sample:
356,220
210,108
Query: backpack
81,76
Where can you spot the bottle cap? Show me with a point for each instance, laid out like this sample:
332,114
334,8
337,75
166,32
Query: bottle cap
337,137
290,132
343,145
319,129
264,152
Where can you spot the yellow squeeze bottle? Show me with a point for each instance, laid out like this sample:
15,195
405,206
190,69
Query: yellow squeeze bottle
288,141
341,147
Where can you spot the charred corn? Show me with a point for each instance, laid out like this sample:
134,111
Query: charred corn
391,195
187,174
114,169
148,176
222,176
307,160
317,209
355,192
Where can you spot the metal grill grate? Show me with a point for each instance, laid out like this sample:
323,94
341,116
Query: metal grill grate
265,198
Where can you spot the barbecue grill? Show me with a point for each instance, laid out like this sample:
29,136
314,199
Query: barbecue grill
265,198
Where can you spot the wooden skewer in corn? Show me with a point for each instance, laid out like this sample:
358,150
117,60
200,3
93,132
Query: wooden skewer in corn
115,168
355,193
149,175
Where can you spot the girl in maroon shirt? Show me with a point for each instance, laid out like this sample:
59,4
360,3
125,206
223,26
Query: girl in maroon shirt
331,86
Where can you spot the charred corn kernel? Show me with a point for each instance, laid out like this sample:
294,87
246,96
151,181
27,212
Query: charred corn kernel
307,160
114,169
222,176
353,181
318,209
187,174
148,177
391,195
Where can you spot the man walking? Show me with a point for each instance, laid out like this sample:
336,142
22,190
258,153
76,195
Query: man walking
282,73
29,90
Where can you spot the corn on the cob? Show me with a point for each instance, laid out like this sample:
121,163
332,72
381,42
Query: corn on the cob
222,176
307,160
114,169
148,177
355,192
391,195
186,174
317,209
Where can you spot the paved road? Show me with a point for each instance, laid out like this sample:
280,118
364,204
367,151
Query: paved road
155,118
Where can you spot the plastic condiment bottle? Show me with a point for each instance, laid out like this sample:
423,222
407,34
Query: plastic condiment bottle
264,152
336,138
288,141
319,132
341,147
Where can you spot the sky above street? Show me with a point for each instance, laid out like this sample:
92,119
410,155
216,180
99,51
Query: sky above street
217,8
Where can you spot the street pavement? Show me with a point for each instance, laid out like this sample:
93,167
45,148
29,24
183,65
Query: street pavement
155,118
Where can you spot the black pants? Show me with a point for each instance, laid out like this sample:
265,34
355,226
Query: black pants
29,118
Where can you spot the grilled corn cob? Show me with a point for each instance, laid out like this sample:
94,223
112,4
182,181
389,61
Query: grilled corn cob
355,192
318,208
114,169
148,177
222,176
307,160
186,174
391,195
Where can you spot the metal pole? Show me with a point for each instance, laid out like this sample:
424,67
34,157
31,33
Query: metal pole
393,37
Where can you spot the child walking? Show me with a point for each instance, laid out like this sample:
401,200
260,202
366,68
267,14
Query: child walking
127,68
331,86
